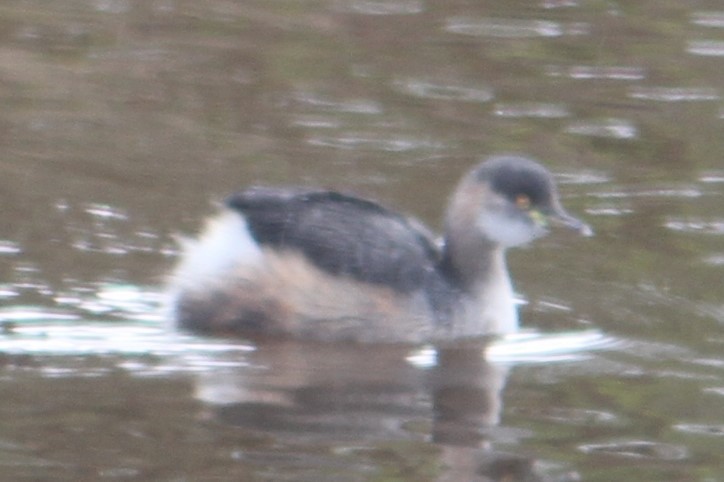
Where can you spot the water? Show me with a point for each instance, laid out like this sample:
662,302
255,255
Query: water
125,121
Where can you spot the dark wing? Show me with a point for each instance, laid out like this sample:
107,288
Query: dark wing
340,234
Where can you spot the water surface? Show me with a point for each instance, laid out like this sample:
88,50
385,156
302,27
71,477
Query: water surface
124,122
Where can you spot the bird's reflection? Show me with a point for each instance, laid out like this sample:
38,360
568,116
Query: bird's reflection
300,392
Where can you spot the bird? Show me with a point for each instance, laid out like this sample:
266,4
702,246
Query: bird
324,266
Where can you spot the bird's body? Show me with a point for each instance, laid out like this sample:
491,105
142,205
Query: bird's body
326,266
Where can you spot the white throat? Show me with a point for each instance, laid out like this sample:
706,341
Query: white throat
497,305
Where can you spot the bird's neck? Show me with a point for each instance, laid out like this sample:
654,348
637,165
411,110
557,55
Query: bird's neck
478,269
469,262
474,265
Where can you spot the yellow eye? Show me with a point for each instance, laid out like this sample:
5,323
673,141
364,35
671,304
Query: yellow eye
523,202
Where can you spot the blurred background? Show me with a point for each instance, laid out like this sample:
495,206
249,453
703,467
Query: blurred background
125,122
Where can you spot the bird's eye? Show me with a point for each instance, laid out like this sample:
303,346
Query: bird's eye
523,202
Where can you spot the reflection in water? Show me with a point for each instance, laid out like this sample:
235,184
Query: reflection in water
452,397
295,406
362,395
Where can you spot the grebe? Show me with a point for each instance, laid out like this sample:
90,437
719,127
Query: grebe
321,265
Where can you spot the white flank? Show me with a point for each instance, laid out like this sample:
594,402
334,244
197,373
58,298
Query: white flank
224,243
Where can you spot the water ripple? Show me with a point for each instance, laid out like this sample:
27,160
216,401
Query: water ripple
22,314
112,6
609,211
608,128
577,416
383,7
588,72
53,337
503,28
8,291
715,390
714,430
683,192
674,94
374,142
531,347
712,177
706,48
715,259
350,106
708,19
316,122
582,178
532,109
698,226
9,247
442,91
639,449
105,211
551,4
